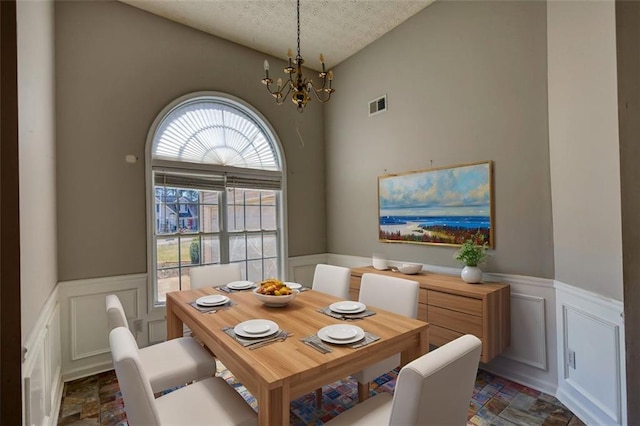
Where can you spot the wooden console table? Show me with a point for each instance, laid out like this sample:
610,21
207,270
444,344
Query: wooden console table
453,308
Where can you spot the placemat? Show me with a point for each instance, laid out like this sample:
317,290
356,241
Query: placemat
226,289
321,346
337,315
211,309
251,342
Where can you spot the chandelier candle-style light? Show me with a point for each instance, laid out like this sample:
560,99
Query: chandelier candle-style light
298,86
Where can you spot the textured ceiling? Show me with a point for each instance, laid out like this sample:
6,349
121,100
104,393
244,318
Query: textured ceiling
336,28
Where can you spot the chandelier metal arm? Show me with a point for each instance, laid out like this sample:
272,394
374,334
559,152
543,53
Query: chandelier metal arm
298,86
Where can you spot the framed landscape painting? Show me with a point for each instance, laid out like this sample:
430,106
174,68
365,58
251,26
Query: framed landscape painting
443,206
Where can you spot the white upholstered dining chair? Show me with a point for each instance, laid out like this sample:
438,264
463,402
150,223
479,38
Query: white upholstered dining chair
210,401
214,275
397,295
167,364
434,389
333,280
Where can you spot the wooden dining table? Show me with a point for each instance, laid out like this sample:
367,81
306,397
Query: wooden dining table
281,371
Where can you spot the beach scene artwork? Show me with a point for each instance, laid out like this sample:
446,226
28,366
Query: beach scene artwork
438,206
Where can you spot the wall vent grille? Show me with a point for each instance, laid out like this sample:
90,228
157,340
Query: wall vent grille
377,106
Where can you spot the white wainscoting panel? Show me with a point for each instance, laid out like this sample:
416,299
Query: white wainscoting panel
37,410
85,331
592,328
157,331
528,342
41,367
53,356
531,358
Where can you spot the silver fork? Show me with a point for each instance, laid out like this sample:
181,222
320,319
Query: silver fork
281,338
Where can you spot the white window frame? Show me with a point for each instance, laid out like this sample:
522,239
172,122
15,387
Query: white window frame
224,98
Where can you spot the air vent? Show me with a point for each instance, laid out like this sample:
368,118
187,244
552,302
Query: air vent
377,106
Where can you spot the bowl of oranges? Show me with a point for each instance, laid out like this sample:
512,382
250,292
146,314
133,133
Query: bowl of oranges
274,293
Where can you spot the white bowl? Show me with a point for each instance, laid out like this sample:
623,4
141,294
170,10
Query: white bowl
379,264
275,301
410,268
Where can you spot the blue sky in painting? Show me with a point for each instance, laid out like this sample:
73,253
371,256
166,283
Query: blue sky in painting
462,190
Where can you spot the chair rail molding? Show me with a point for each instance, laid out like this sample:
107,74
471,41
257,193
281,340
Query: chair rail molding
592,377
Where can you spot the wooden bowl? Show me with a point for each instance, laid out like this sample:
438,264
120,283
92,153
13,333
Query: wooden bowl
275,301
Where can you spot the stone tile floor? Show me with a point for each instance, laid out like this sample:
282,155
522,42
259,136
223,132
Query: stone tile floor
96,400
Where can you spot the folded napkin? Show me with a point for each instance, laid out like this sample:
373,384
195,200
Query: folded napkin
249,342
337,315
211,309
234,290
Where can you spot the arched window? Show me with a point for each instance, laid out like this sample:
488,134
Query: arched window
214,183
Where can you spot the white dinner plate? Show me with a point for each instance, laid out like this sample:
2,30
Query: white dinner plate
256,328
292,285
212,300
240,285
348,307
341,334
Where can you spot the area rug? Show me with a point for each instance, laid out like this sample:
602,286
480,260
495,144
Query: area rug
336,397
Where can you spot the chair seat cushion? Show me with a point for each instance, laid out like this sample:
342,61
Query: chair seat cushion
176,362
373,411
208,402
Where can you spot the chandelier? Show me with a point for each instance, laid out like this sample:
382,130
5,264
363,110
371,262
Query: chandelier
298,86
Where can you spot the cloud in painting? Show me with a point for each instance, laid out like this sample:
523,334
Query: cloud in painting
455,187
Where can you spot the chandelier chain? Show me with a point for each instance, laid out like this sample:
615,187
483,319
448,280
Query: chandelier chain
298,10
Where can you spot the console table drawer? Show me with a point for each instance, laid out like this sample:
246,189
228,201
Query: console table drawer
453,320
439,335
456,303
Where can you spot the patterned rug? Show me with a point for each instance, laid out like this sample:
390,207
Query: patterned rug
336,397
495,401
97,400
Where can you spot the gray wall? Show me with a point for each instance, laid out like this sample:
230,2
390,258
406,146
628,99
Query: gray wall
466,82
36,98
584,146
116,68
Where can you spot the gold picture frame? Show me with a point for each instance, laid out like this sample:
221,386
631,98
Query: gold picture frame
439,206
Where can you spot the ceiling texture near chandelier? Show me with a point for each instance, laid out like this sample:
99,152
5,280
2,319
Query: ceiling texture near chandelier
298,86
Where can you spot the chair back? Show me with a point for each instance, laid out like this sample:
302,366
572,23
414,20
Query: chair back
393,294
333,280
436,388
214,275
139,402
115,313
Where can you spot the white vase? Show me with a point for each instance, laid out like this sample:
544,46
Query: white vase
471,274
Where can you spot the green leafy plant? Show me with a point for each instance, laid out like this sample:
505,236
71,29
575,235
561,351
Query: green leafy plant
471,253
194,252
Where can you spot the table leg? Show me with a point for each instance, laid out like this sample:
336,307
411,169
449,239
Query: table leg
420,348
174,324
274,406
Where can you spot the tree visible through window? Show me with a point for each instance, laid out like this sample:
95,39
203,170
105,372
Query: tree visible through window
215,183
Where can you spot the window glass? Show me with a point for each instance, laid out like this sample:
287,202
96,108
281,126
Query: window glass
216,214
